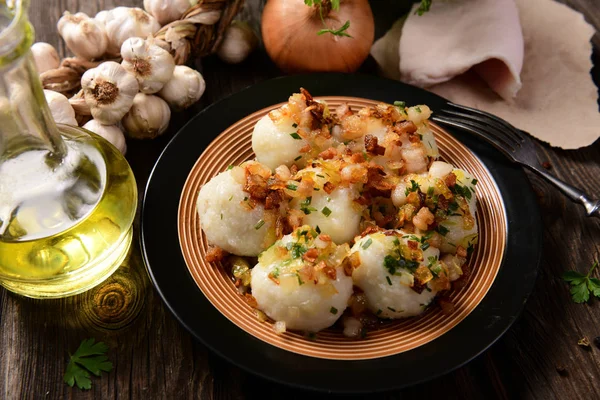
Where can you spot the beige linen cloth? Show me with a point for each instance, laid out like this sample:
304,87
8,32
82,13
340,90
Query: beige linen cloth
471,52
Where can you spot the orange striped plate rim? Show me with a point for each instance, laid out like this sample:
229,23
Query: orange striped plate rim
233,146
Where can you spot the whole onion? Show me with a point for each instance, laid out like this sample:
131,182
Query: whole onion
289,30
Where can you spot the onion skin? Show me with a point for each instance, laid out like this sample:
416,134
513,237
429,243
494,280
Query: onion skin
289,31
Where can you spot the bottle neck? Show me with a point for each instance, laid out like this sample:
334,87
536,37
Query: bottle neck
25,120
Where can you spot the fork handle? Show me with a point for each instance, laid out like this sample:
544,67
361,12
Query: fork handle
592,206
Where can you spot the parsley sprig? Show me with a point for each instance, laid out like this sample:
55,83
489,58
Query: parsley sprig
335,5
583,285
90,357
423,7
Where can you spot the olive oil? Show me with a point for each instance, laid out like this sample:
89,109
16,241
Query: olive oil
62,238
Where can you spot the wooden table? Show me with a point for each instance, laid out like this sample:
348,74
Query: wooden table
155,357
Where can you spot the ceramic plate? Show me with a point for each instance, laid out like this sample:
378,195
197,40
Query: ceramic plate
203,298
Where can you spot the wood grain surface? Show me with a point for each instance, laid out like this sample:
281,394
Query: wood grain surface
154,357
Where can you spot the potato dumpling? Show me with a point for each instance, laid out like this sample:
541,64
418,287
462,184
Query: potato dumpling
300,281
278,143
226,218
384,268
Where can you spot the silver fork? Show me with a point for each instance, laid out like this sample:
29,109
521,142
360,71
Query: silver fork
513,143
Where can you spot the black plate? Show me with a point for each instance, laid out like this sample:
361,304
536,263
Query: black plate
160,245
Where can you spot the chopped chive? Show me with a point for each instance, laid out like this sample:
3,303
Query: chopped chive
333,310
245,198
442,230
221,215
474,182
318,229
430,191
295,136
366,244
316,189
396,242
418,109
328,199
259,224
297,158
294,125
326,211
321,176
378,312
389,280
391,309
229,167
400,104
230,197
291,186
299,279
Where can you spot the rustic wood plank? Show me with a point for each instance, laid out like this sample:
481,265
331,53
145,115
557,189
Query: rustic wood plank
155,358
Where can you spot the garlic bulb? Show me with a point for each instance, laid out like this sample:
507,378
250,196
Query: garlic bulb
122,23
184,89
166,11
84,36
150,64
238,42
109,91
60,108
112,133
45,56
102,17
148,118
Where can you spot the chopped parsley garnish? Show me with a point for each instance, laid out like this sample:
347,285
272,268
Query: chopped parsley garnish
401,104
297,158
414,186
229,167
318,229
333,310
430,191
291,186
396,242
294,125
245,198
295,136
474,182
418,109
378,312
423,7
423,239
296,249
388,280
462,191
276,272
259,224
367,243
470,249
326,211
305,206
425,246
392,264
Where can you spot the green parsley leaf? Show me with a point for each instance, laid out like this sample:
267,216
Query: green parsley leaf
90,357
423,7
326,211
367,243
337,32
333,310
582,285
295,136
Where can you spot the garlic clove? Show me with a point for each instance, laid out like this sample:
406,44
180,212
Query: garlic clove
84,36
184,88
150,64
148,117
166,11
122,23
45,56
60,108
109,91
111,133
238,42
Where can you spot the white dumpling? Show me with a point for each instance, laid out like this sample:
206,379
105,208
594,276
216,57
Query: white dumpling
302,294
455,234
336,214
227,221
389,295
274,144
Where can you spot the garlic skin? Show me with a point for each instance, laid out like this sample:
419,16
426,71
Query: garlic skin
238,42
45,56
109,91
184,89
122,23
84,36
148,118
112,133
166,11
60,108
150,64
102,17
